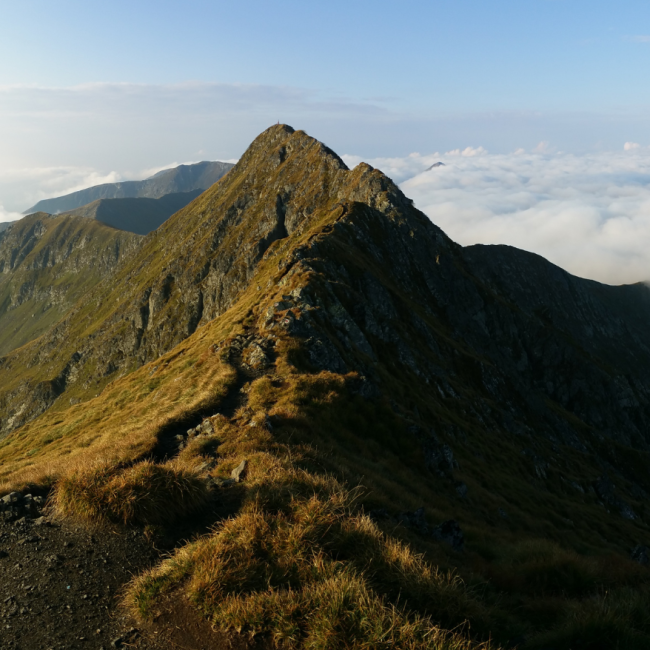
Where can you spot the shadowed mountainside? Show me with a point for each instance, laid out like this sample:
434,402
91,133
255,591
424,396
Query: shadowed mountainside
302,328
140,216
184,178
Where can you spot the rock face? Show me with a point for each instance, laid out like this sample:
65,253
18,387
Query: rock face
184,178
495,338
46,265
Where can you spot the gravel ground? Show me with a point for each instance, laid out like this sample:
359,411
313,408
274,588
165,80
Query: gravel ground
60,585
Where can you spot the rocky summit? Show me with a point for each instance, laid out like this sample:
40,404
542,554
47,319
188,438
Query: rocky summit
341,428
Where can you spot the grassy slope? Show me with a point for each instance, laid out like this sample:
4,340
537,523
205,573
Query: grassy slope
67,259
554,570
122,425
183,247
330,430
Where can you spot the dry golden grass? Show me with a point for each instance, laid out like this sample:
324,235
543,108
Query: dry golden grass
299,560
339,611
120,425
299,564
143,494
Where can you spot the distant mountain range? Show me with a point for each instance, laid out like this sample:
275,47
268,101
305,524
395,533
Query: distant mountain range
184,178
5,224
139,215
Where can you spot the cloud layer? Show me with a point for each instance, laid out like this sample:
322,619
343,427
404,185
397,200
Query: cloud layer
121,128
588,214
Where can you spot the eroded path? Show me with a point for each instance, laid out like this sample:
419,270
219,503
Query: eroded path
60,585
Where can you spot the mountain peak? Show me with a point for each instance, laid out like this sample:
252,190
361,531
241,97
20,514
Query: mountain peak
301,328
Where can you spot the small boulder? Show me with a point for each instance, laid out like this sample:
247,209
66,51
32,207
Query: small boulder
11,499
641,555
461,490
450,532
238,473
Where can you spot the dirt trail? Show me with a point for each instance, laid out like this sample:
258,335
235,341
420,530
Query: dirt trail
170,437
61,582
60,585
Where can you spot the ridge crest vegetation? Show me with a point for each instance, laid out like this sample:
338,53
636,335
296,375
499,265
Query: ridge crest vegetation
413,444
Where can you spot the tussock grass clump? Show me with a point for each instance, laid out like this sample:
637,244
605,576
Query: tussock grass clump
337,612
145,493
298,564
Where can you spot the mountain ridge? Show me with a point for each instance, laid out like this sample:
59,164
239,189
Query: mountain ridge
138,215
301,328
184,178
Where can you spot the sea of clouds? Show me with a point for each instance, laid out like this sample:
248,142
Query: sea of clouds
589,214
25,186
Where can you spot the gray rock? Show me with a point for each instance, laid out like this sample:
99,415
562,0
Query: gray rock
450,532
12,498
461,490
439,458
238,473
641,554
605,492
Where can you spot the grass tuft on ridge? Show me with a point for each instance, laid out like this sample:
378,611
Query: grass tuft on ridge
298,564
143,494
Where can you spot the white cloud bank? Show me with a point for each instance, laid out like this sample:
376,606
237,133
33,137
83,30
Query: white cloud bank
25,186
588,214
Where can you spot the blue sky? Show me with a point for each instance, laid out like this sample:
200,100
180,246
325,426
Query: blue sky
460,55
94,92
374,77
